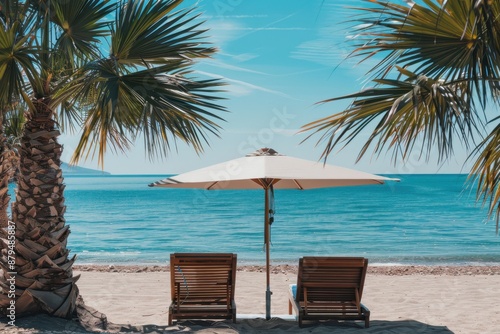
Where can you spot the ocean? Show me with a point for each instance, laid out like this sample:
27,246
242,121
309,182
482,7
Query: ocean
422,220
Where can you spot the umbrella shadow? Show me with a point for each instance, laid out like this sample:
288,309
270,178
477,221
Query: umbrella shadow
379,326
44,323
277,325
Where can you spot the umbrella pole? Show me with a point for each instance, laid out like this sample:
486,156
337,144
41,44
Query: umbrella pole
266,240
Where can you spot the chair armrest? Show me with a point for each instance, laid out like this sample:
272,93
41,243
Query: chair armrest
292,302
364,308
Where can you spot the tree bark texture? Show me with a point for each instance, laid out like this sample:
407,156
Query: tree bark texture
44,279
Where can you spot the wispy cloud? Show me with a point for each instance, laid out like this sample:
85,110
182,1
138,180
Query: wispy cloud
242,88
287,132
256,16
329,46
219,64
243,57
225,30
320,51
271,28
222,32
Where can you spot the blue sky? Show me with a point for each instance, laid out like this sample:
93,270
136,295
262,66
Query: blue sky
279,57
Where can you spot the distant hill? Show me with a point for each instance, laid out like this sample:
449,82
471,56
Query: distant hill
75,170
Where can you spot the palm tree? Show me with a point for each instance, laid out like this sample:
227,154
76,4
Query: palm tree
51,58
437,67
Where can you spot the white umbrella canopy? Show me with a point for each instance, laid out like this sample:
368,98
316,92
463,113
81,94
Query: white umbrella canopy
282,171
267,169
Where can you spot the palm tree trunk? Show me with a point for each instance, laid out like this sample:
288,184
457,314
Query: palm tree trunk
44,280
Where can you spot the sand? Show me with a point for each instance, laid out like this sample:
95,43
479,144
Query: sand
401,300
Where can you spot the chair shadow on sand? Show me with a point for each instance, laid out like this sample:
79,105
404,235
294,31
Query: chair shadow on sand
285,326
90,320
43,323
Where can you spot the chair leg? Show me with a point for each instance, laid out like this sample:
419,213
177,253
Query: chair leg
170,318
367,319
289,307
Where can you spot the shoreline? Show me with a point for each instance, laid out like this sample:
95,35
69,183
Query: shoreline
397,270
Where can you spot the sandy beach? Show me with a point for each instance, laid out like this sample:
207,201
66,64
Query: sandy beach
401,300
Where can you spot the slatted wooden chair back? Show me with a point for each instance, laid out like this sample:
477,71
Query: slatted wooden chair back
331,288
202,285
331,279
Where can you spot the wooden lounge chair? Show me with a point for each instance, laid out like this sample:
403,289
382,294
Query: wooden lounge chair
202,286
329,288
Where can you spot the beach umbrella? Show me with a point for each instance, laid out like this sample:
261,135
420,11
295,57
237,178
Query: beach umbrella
267,169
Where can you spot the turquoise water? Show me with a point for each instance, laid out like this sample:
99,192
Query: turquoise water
424,219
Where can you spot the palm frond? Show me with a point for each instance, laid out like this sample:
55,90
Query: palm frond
160,103
17,62
453,40
418,112
13,122
182,113
147,31
448,53
69,117
486,172
83,23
